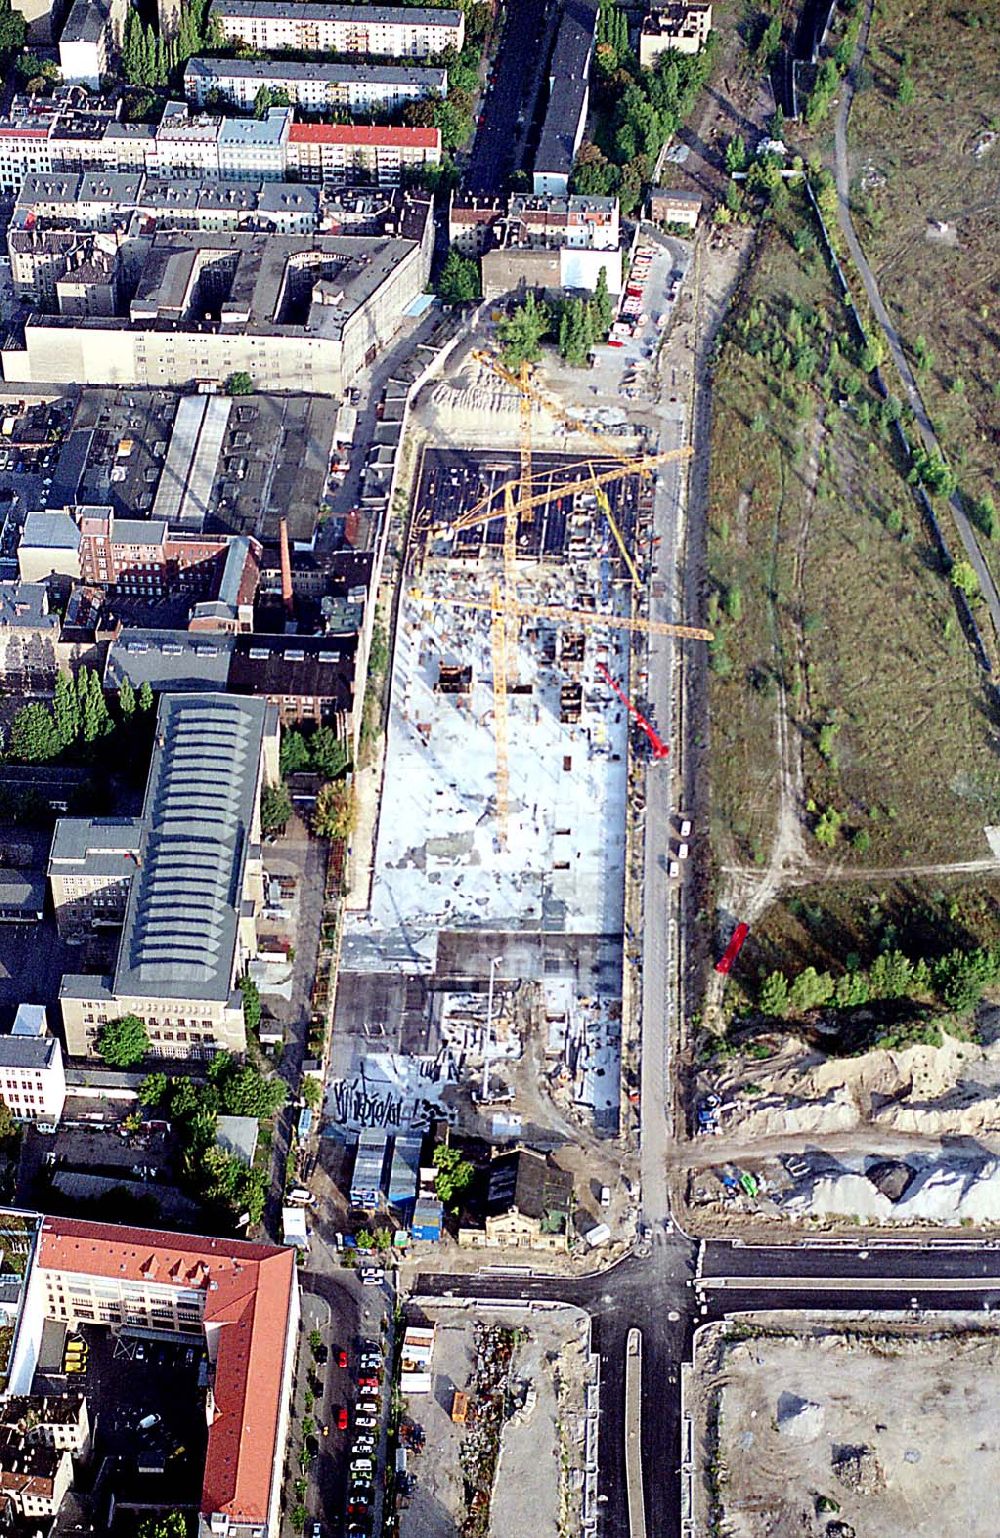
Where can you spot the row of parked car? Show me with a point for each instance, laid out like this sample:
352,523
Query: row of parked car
363,1462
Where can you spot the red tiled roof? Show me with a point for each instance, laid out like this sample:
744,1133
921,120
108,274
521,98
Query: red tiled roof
248,1291
344,133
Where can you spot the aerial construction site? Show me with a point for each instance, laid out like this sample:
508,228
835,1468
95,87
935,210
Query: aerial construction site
516,721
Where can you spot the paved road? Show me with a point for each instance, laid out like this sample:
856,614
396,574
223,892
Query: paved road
659,909
517,62
966,533
657,1294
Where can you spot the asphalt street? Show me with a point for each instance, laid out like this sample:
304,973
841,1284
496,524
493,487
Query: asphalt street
657,1293
509,100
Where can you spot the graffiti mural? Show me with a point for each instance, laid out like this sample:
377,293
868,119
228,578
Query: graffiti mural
388,1090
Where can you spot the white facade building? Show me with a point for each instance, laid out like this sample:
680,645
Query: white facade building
392,32
32,1078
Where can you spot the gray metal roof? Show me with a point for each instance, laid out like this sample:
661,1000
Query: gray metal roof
180,932
169,659
568,74
331,74
27,1051
25,606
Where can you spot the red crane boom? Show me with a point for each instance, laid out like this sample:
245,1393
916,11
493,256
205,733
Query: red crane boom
657,746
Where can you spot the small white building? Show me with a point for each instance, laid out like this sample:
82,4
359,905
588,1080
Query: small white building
32,1079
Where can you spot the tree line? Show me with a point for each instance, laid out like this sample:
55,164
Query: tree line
79,714
574,323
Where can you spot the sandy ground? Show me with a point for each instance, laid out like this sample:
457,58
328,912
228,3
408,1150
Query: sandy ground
793,1414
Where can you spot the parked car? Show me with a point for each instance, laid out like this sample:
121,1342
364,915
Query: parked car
341,1417
149,1421
341,1357
372,1278
362,1466
685,828
363,1444
370,1380
368,1407
365,1422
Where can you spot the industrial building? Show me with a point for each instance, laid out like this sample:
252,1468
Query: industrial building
197,883
293,312
391,32
314,87
239,1301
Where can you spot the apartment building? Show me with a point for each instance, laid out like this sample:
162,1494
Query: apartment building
674,29
392,32
58,137
294,312
241,1299
190,918
90,40
314,87
32,1078
582,223
339,152
569,97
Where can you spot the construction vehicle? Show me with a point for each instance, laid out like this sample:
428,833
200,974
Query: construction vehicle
658,748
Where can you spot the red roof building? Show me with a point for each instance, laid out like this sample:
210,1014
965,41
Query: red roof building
242,1297
318,151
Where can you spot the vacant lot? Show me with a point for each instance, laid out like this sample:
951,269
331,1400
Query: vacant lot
825,1431
916,164
836,621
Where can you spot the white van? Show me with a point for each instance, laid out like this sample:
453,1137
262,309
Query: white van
298,1196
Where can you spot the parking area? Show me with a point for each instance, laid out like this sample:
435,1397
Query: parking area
146,1400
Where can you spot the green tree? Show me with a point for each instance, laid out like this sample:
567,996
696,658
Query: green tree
768,44
124,1042
13,29
602,304
65,710
931,471
153,1089
145,696
247,1092
593,173
454,1174
239,383
329,754
810,989
964,578
126,699
275,808
520,335
961,976
458,282
984,515
172,1525
890,976
262,101
251,1009
827,829
34,737
312,1093
8,1124
774,995
294,754
736,154
334,813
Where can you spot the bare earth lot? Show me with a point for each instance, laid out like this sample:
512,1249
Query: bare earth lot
833,1431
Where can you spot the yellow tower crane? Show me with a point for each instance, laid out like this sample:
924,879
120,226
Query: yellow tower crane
506,610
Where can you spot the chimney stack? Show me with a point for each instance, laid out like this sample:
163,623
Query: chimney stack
287,596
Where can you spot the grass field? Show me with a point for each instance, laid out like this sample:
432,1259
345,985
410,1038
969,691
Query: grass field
937,158
825,579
